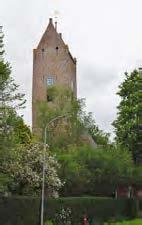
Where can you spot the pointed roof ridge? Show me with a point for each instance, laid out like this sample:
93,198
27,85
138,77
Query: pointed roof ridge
59,35
50,24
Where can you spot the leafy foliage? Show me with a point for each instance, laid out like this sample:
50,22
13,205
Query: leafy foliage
21,132
76,123
129,119
63,131
25,210
84,169
25,169
12,127
99,136
63,217
10,100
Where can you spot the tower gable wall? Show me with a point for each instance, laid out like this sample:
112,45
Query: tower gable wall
51,60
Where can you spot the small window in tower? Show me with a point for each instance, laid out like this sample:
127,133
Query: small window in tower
57,48
50,81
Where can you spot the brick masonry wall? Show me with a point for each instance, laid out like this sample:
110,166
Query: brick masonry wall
51,58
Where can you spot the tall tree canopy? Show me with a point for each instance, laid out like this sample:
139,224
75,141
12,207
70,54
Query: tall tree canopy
13,130
128,125
10,101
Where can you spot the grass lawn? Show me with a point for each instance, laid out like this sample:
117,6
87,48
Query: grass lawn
131,222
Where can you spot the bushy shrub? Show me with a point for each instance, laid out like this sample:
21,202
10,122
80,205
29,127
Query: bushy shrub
48,222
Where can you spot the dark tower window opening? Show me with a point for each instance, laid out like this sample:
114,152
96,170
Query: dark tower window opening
42,50
57,49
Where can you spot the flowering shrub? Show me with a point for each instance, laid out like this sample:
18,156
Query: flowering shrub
63,217
26,170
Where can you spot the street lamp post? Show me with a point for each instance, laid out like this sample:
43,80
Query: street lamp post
43,168
43,176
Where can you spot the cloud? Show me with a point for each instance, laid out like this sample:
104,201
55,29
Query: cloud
99,86
105,36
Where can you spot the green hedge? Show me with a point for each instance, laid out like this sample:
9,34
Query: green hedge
140,204
25,210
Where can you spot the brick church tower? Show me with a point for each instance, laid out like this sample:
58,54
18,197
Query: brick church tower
53,64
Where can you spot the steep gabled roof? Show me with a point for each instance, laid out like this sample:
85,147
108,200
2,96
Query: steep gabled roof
52,37
50,29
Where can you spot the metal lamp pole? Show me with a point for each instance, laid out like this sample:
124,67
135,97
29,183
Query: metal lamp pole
43,169
43,176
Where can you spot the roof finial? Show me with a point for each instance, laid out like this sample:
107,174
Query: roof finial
56,25
56,14
50,20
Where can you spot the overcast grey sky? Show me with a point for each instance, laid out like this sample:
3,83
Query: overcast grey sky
104,35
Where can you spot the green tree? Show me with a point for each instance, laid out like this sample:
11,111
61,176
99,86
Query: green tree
129,117
25,171
100,137
13,130
74,174
67,130
10,99
21,133
88,171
